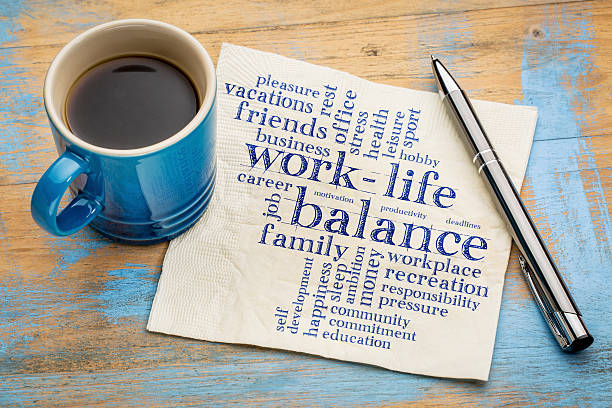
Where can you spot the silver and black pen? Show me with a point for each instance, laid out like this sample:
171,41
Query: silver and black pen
549,290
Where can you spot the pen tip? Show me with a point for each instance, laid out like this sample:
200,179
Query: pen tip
432,57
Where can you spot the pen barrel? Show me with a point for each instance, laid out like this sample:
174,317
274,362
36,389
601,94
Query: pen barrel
553,297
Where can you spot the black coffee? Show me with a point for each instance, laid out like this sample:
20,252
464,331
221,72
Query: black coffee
130,102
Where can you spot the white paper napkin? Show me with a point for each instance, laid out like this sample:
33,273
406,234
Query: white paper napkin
348,221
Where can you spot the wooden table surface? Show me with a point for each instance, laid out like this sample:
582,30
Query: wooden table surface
73,310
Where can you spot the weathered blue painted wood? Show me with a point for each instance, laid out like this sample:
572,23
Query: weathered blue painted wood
73,310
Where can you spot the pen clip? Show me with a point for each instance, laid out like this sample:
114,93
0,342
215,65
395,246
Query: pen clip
546,310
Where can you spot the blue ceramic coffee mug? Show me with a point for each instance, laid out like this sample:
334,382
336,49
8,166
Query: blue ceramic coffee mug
143,195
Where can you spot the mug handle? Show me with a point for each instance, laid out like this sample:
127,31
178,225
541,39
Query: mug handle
49,191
